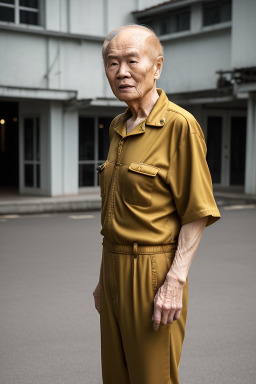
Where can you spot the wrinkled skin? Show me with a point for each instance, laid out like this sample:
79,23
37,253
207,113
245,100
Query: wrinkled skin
168,299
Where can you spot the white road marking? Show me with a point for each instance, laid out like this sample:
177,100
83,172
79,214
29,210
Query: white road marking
245,206
80,217
38,215
32,216
9,216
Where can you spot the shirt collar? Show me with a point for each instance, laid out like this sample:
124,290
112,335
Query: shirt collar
156,118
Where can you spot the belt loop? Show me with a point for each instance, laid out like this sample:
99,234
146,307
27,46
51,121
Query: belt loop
135,249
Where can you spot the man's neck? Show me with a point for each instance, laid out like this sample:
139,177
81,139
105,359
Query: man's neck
140,109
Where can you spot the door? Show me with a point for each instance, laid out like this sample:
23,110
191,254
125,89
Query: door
237,146
214,147
226,139
9,146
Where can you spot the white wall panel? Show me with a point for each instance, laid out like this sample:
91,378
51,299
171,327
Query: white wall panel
23,60
190,63
244,33
87,17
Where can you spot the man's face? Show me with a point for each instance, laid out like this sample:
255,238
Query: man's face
129,66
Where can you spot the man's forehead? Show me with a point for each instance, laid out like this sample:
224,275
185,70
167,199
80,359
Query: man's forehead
125,51
125,44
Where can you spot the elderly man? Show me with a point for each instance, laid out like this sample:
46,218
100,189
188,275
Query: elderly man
157,198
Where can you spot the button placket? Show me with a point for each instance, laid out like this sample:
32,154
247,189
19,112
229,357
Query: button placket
154,273
112,197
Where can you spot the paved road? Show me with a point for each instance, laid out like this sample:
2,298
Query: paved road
49,266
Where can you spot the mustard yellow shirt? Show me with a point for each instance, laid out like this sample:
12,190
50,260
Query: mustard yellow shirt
156,178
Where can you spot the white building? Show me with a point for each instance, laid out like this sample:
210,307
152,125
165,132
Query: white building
56,105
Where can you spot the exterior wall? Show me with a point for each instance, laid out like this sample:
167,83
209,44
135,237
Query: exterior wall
185,68
63,146
58,62
70,152
56,15
142,4
88,17
243,34
250,174
24,61
56,148
54,63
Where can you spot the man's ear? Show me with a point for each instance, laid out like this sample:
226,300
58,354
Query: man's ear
158,67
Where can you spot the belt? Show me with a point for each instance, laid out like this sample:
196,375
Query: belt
137,249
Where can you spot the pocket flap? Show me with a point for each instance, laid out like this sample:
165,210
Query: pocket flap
144,169
101,167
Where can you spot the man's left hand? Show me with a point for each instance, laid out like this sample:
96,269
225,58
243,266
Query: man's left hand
167,302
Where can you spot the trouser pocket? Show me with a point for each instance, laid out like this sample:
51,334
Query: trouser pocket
109,273
160,265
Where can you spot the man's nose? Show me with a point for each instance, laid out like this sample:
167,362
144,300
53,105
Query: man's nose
123,71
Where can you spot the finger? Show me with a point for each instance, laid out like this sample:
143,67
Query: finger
171,316
177,315
156,318
165,314
156,323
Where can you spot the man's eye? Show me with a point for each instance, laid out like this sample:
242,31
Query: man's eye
113,64
133,61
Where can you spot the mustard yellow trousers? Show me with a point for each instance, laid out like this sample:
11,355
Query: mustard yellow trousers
131,351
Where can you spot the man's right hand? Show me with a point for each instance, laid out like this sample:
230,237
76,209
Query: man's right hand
96,295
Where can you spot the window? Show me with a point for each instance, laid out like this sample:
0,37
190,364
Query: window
93,148
173,22
21,11
31,152
216,12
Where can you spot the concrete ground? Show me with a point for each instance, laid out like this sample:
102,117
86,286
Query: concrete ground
49,267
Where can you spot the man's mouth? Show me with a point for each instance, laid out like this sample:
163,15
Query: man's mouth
125,87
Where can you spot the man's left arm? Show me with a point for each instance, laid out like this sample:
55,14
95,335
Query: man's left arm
168,299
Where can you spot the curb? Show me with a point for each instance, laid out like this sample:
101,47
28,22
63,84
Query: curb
30,207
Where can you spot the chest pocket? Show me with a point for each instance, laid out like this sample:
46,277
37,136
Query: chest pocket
139,181
102,181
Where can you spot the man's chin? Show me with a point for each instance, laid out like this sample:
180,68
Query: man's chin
126,96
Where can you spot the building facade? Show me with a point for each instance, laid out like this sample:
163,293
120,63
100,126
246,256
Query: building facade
56,104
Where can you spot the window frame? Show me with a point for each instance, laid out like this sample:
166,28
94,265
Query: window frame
36,161
17,8
219,4
175,15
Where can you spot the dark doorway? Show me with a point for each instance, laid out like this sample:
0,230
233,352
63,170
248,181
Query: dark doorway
238,147
214,144
9,145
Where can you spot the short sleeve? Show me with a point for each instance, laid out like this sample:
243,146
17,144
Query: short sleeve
190,179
